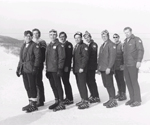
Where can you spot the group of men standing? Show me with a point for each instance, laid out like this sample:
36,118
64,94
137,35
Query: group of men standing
115,58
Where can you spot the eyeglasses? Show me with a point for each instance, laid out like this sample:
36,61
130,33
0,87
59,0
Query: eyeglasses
115,37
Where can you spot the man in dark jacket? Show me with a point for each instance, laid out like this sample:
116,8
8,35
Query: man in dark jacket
91,68
55,59
80,60
39,77
119,69
133,52
107,55
28,66
67,68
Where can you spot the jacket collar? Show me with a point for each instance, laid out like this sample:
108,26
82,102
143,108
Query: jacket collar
55,42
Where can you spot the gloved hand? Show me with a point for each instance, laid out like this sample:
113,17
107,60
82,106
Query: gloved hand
60,72
35,70
17,73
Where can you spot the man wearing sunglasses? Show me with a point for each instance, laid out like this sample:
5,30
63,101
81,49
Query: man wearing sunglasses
133,52
119,69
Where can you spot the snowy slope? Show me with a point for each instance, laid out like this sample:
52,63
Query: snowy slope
13,97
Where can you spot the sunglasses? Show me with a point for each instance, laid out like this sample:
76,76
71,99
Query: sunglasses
115,37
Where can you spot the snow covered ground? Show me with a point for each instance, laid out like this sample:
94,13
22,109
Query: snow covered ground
13,97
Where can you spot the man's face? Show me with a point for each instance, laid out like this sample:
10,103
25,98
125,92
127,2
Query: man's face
35,34
62,38
28,38
128,33
78,38
104,37
52,36
116,38
87,38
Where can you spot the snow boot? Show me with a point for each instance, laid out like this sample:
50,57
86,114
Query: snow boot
67,101
94,99
129,102
55,104
106,103
112,103
84,105
32,107
59,107
122,97
26,107
79,103
134,104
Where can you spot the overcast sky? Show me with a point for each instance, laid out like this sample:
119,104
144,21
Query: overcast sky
74,15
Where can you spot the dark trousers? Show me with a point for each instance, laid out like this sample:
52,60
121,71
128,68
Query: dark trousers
81,83
67,85
39,85
55,83
131,78
91,83
108,83
119,75
30,85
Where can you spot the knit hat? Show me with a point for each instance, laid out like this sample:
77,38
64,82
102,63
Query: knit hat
78,33
87,34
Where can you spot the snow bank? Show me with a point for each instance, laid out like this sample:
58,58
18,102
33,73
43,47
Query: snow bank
145,67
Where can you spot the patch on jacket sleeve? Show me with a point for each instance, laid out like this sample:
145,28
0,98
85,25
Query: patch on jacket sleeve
54,47
140,41
86,48
94,46
62,45
69,46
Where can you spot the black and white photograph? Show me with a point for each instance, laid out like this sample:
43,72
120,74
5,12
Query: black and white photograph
74,62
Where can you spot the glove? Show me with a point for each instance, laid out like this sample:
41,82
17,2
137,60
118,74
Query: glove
18,74
35,70
60,72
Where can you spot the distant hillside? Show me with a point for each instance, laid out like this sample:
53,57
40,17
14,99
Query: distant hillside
11,45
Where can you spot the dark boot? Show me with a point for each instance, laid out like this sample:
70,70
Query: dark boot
55,104
79,103
122,96
32,107
134,104
112,103
94,99
129,102
84,104
26,107
106,103
67,101
59,107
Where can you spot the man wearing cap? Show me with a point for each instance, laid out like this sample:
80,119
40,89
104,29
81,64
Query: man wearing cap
55,58
107,55
91,68
119,69
67,68
80,60
39,77
28,67
133,52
